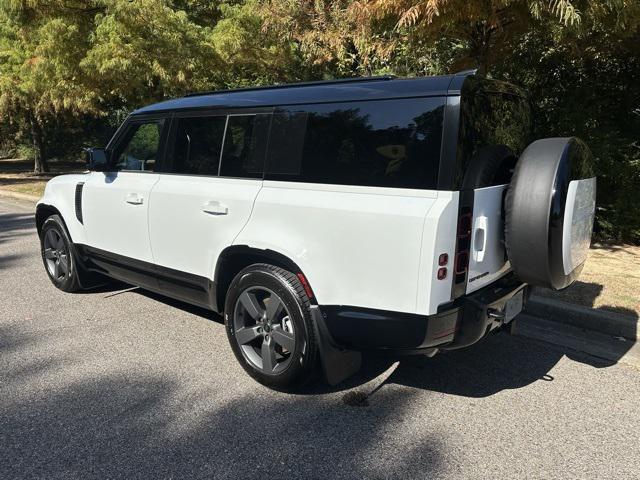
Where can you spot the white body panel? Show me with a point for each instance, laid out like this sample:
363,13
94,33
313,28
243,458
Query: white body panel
115,207
487,259
60,193
192,219
439,237
358,246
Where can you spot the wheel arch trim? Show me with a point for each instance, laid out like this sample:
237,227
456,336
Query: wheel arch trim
236,257
44,211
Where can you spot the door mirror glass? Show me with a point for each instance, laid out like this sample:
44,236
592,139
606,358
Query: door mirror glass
97,159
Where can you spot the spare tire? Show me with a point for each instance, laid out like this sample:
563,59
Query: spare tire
549,208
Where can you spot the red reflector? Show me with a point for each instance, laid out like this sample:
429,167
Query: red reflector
443,259
305,285
442,273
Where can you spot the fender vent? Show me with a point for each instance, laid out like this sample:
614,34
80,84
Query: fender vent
79,188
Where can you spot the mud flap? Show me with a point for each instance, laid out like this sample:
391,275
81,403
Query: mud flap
87,279
337,364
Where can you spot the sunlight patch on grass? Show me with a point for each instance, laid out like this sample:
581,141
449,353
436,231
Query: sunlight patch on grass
610,280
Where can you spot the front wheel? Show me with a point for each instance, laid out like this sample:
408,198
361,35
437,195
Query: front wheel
55,248
268,322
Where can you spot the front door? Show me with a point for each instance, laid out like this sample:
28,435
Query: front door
116,202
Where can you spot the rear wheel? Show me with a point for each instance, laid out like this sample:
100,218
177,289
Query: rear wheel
57,256
269,326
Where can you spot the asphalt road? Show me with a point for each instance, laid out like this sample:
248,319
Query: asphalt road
128,385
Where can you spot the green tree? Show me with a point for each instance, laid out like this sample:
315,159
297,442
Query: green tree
146,51
251,54
486,29
40,74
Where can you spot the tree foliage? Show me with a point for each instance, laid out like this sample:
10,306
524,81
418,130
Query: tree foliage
70,70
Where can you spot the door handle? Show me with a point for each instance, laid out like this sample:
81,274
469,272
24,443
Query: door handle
134,199
480,239
214,207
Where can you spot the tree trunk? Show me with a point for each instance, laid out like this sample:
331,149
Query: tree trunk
480,45
40,154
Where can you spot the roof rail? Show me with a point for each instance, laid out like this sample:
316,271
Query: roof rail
298,84
464,73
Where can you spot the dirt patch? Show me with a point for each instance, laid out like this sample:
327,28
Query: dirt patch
610,280
356,399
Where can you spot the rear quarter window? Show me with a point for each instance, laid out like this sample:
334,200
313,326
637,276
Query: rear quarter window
385,143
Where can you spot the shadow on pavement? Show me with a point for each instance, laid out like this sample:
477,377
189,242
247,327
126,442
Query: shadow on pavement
113,427
13,225
498,362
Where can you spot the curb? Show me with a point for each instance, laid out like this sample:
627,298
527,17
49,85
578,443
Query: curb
18,196
596,320
611,348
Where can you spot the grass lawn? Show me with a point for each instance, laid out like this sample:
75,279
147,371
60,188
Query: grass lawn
610,279
17,175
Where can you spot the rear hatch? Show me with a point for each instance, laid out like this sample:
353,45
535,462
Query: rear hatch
492,114
487,256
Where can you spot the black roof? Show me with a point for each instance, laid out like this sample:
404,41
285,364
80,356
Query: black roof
354,89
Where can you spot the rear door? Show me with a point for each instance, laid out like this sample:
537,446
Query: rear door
204,196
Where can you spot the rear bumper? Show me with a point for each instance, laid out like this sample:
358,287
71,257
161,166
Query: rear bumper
457,324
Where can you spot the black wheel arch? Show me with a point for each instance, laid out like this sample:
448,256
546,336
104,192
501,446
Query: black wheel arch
235,258
44,211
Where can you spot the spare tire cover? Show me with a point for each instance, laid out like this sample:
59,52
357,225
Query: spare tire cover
549,208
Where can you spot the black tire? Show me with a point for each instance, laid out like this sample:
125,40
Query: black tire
294,367
491,165
56,250
536,205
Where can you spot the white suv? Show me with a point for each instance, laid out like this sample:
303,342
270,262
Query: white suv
328,218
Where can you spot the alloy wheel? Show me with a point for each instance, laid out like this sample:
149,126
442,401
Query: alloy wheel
264,330
56,254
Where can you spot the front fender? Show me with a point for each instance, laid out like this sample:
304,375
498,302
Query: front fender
59,197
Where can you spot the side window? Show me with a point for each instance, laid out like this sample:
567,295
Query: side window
386,143
140,148
245,146
198,144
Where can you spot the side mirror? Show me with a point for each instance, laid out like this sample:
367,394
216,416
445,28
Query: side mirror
97,159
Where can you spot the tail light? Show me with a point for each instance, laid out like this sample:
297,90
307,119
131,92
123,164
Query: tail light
461,264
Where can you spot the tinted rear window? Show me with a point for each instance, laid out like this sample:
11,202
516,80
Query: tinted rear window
388,143
492,113
198,144
245,144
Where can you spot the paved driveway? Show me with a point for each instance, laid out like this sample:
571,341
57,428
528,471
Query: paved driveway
110,384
